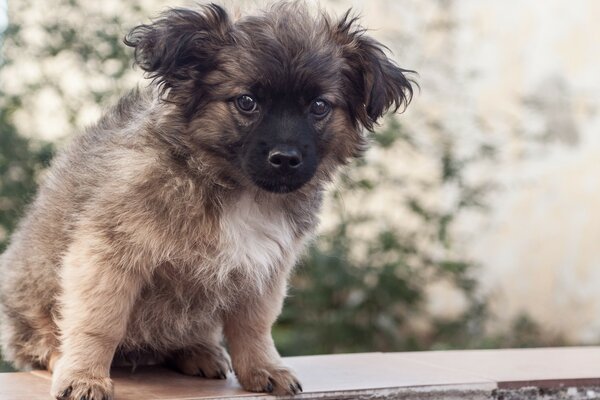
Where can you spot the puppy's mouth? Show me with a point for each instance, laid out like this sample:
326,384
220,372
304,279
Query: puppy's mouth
279,171
278,186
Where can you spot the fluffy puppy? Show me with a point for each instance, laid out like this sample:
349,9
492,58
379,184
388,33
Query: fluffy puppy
177,218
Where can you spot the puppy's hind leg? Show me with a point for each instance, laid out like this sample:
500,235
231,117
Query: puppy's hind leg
205,360
28,336
98,295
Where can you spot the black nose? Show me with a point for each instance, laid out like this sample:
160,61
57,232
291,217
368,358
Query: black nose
285,157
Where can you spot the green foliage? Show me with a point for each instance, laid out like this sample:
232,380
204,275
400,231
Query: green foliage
344,302
377,300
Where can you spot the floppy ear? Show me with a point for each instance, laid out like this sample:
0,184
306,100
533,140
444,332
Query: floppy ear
179,47
374,83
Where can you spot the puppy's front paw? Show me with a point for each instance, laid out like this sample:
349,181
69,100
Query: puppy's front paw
80,386
277,380
208,362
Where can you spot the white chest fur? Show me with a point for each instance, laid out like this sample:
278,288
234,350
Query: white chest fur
256,240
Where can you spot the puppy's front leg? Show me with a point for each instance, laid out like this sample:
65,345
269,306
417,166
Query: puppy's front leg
96,302
256,362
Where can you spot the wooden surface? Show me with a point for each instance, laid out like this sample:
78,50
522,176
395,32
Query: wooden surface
473,373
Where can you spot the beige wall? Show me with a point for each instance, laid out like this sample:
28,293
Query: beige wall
539,80
524,76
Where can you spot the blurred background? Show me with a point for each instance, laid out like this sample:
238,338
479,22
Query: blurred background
473,222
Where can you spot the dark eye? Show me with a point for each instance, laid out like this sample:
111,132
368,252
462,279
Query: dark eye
246,103
320,108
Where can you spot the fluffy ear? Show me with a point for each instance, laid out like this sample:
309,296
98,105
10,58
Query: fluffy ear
179,47
374,82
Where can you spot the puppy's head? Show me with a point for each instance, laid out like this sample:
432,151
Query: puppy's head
278,99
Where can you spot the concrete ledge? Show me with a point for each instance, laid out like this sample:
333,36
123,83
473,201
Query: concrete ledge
553,373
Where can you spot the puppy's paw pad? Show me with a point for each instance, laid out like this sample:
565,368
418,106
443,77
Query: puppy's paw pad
213,363
81,388
277,380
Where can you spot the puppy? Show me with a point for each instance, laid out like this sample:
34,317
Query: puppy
177,218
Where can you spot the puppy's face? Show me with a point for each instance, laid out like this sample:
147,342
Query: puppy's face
278,99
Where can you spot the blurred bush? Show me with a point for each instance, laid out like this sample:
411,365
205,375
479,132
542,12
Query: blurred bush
378,300
341,301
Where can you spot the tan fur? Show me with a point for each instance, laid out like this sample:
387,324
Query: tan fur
147,243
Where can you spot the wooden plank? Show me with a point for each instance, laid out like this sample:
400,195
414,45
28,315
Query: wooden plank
447,375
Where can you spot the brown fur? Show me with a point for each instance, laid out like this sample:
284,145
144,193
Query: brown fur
147,241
